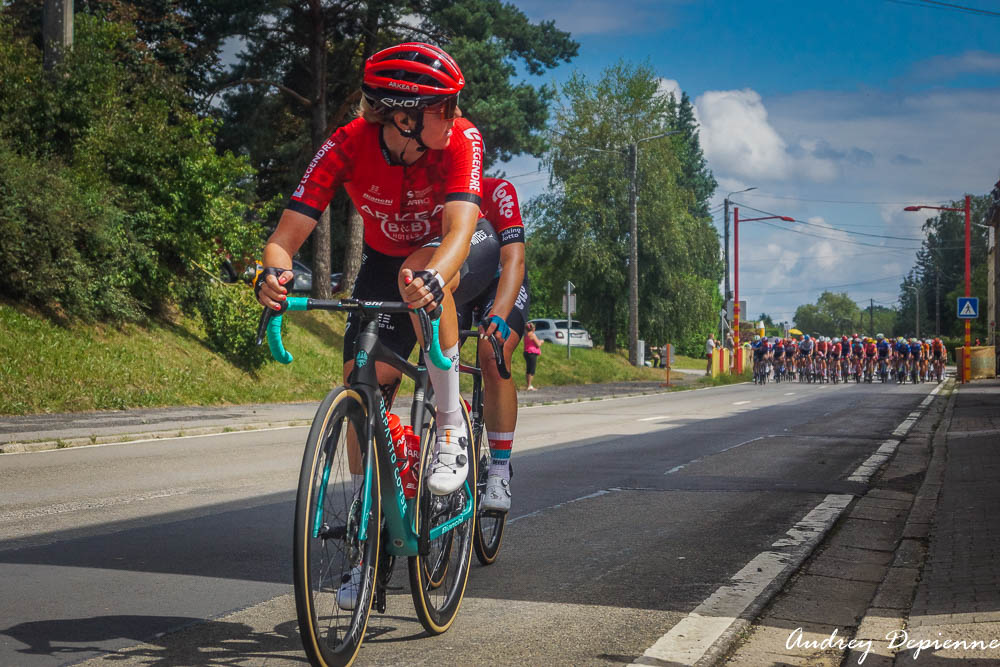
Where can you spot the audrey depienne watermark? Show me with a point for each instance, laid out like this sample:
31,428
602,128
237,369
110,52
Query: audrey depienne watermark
896,640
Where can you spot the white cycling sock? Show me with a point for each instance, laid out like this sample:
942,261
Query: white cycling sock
447,402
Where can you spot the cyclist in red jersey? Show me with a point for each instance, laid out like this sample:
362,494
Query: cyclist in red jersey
502,312
413,169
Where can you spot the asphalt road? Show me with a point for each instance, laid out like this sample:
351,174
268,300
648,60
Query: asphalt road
628,514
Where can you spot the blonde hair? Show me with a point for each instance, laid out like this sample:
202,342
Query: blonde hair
372,114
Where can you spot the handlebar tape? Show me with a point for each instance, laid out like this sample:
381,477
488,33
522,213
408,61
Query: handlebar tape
278,351
434,352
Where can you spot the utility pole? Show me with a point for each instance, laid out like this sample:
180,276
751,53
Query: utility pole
937,300
871,316
725,226
632,169
57,30
633,257
725,208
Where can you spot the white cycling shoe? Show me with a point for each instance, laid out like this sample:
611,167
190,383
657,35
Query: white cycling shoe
497,496
450,464
347,594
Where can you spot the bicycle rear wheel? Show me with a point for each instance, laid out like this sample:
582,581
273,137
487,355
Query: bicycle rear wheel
439,576
489,523
337,532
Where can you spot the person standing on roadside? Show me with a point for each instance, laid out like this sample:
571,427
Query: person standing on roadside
532,348
731,345
709,349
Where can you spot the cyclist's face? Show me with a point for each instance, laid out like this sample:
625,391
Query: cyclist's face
438,122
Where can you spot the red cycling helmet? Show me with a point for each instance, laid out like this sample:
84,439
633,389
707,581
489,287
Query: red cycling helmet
412,75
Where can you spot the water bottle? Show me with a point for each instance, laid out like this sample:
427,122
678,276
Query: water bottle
397,433
413,457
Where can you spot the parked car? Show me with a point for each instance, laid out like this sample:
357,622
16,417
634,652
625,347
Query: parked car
554,331
303,280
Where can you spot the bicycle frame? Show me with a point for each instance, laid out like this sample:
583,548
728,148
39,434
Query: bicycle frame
400,513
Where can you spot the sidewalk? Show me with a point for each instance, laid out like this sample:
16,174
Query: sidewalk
37,432
910,575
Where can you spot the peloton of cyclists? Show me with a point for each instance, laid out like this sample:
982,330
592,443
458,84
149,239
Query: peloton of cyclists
825,359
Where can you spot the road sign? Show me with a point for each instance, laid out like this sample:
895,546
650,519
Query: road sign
572,304
968,307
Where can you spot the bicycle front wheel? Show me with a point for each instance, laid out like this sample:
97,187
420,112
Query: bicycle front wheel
337,532
489,523
439,576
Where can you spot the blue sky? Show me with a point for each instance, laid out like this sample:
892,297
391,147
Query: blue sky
886,102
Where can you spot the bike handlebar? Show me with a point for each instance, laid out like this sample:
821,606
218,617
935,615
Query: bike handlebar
270,324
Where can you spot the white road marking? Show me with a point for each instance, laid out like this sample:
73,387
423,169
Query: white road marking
790,393
650,419
238,431
741,402
688,641
865,471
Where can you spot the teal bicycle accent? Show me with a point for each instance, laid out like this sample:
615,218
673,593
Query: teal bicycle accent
351,526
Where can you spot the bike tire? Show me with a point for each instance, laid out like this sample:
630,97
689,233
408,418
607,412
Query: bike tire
438,577
325,542
490,524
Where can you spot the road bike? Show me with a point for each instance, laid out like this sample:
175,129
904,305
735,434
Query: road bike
352,514
883,370
489,527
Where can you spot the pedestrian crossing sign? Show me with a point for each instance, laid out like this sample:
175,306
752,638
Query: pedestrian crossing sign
968,307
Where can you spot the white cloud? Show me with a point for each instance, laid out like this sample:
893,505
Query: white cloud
947,67
740,141
671,87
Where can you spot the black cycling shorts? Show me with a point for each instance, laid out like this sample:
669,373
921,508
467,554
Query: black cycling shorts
377,282
472,312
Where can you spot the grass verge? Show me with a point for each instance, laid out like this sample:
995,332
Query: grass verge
46,367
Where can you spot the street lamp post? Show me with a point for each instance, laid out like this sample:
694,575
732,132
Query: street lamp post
725,224
633,255
966,364
736,278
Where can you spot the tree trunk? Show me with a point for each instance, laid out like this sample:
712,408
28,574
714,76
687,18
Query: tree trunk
610,339
352,251
317,122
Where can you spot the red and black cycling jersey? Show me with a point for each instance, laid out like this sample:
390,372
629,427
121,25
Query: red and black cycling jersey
501,209
401,205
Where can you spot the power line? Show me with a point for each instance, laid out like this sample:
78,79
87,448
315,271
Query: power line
842,231
835,239
936,4
841,201
807,288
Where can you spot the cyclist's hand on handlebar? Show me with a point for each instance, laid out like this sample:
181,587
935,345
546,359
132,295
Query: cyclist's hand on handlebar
422,289
496,326
269,286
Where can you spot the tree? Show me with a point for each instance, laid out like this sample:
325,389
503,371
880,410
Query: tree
939,270
580,230
695,174
831,315
300,73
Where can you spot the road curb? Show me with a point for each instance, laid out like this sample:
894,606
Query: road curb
141,436
910,555
31,446
724,646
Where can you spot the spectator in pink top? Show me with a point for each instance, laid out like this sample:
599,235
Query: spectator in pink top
532,348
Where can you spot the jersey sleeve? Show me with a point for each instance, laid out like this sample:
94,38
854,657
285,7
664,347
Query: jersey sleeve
501,208
464,181
327,171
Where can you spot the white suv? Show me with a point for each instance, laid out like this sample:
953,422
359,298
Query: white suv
554,331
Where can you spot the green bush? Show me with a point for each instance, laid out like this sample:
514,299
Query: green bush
111,191
64,248
231,314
